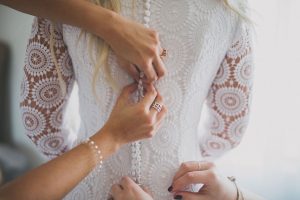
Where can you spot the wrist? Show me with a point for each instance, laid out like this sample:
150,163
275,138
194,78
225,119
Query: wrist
106,141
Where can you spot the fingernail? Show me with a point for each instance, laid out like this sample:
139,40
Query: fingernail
178,197
170,189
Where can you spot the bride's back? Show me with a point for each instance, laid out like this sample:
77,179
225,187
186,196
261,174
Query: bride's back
207,55
197,35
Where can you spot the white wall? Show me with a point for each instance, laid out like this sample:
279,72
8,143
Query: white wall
14,30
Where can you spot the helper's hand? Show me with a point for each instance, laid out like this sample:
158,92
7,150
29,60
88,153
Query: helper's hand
131,69
137,46
216,187
127,189
130,121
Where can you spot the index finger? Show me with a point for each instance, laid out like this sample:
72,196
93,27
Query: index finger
149,71
116,191
194,177
192,166
159,66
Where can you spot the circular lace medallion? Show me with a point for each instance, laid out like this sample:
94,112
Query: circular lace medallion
160,177
171,16
33,120
179,54
45,30
38,59
218,123
65,64
223,74
172,94
47,93
166,140
238,128
230,101
53,144
206,6
214,145
240,45
56,118
244,71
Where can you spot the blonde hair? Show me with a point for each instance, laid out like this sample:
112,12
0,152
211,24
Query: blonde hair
102,48
241,9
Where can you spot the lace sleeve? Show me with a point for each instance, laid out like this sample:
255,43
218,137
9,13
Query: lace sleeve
229,98
42,100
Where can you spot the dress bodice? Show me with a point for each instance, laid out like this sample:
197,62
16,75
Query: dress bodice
209,59
197,35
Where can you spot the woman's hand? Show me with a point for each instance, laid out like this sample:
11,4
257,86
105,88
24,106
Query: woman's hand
130,121
215,186
131,41
137,46
127,189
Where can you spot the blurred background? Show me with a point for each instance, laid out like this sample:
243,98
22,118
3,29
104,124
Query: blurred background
268,159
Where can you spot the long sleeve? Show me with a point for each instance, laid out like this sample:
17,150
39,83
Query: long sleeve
229,98
42,98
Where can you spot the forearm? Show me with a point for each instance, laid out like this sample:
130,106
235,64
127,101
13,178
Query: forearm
80,13
53,180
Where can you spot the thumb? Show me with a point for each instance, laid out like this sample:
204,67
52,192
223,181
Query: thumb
189,196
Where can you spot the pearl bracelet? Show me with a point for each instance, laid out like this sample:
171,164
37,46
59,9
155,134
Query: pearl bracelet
97,152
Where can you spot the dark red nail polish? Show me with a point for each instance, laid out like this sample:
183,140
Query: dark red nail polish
178,197
170,189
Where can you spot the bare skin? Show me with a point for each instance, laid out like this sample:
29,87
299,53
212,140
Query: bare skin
127,189
137,47
71,167
215,186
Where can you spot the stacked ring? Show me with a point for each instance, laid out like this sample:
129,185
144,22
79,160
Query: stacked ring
156,106
163,53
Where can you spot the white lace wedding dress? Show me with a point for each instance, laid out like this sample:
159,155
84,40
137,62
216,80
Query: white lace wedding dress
209,59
